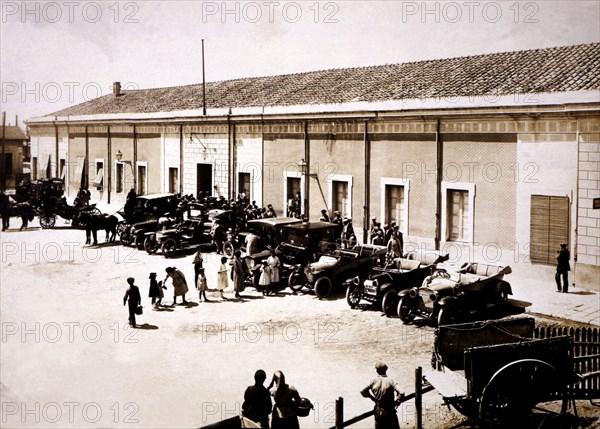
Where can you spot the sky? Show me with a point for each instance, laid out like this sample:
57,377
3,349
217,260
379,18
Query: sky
60,53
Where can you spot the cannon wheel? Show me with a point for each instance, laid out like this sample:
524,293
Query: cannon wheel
151,244
516,388
389,303
296,281
169,247
323,287
353,295
47,220
406,309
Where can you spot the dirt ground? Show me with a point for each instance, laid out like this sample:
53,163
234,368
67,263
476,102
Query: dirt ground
69,358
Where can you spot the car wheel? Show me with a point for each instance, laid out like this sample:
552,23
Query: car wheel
126,237
228,249
323,287
448,315
169,247
406,309
139,241
296,281
151,244
353,295
389,304
47,221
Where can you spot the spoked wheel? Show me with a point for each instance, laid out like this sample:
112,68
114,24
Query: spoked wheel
353,295
323,287
296,281
126,237
151,244
169,247
515,389
389,304
449,315
228,249
407,307
47,220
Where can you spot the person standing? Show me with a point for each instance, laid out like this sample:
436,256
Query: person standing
179,283
257,401
134,299
237,273
198,260
563,266
201,285
287,400
5,210
155,291
265,278
384,392
222,281
274,264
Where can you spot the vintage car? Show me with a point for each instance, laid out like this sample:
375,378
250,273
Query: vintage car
448,297
171,238
141,216
268,231
334,268
385,282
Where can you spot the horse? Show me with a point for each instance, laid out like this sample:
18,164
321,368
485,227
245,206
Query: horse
23,210
94,222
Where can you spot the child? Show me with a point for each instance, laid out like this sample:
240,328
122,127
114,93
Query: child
155,290
202,284
222,281
265,278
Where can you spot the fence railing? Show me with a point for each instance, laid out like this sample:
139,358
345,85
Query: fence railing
585,354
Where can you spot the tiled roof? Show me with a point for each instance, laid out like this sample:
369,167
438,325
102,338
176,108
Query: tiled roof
568,68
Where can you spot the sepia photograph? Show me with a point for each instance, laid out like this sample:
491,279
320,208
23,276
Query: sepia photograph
300,214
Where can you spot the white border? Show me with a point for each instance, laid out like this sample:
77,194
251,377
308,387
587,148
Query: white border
137,165
459,186
296,175
395,182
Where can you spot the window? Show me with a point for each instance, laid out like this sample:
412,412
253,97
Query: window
173,180
99,179
63,170
340,194
120,177
8,164
34,168
394,205
549,223
293,185
141,179
244,184
457,215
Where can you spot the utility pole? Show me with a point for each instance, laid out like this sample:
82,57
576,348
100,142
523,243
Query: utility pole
2,161
203,83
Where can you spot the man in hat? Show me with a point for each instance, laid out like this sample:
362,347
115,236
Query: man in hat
348,238
562,268
384,392
134,299
324,216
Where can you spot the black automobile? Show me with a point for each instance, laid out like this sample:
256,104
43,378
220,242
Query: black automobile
333,268
141,216
385,282
268,232
448,297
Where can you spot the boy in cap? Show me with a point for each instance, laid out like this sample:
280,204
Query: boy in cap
384,392
562,268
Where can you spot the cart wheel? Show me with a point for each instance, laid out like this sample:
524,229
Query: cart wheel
515,389
407,309
47,221
151,244
449,315
389,303
228,249
139,241
296,281
169,247
353,295
323,287
121,227
126,237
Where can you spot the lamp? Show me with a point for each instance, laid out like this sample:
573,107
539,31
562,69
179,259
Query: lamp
119,157
304,170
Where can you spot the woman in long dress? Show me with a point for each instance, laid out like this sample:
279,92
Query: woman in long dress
179,283
222,281
274,264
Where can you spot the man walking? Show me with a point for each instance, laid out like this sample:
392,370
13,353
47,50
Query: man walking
132,294
562,268
257,401
384,392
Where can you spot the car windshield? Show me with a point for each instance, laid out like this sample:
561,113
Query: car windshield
296,237
197,213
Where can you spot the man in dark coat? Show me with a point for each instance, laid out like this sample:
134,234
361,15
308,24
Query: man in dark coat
5,210
134,299
386,395
257,401
562,268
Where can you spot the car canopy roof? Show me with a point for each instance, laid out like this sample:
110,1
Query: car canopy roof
274,221
309,226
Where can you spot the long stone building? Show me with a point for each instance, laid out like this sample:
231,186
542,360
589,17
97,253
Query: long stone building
491,157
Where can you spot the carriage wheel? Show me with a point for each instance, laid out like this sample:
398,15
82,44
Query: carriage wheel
151,244
126,237
389,304
228,249
515,389
323,287
406,309
47,221
296,281
353,295
169,247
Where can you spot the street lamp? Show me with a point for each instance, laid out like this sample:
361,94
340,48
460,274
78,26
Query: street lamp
303,168
119,157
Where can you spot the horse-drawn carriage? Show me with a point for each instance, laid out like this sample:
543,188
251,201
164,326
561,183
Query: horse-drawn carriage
495,372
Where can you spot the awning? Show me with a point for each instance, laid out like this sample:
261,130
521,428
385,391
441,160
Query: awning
97,182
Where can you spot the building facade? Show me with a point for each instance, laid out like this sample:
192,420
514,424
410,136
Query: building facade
483,166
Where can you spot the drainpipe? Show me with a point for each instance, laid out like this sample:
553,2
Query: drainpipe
576,200
367,197
231,167
181,159
87,157
438,178
57,172
134,162
307,175
108,171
